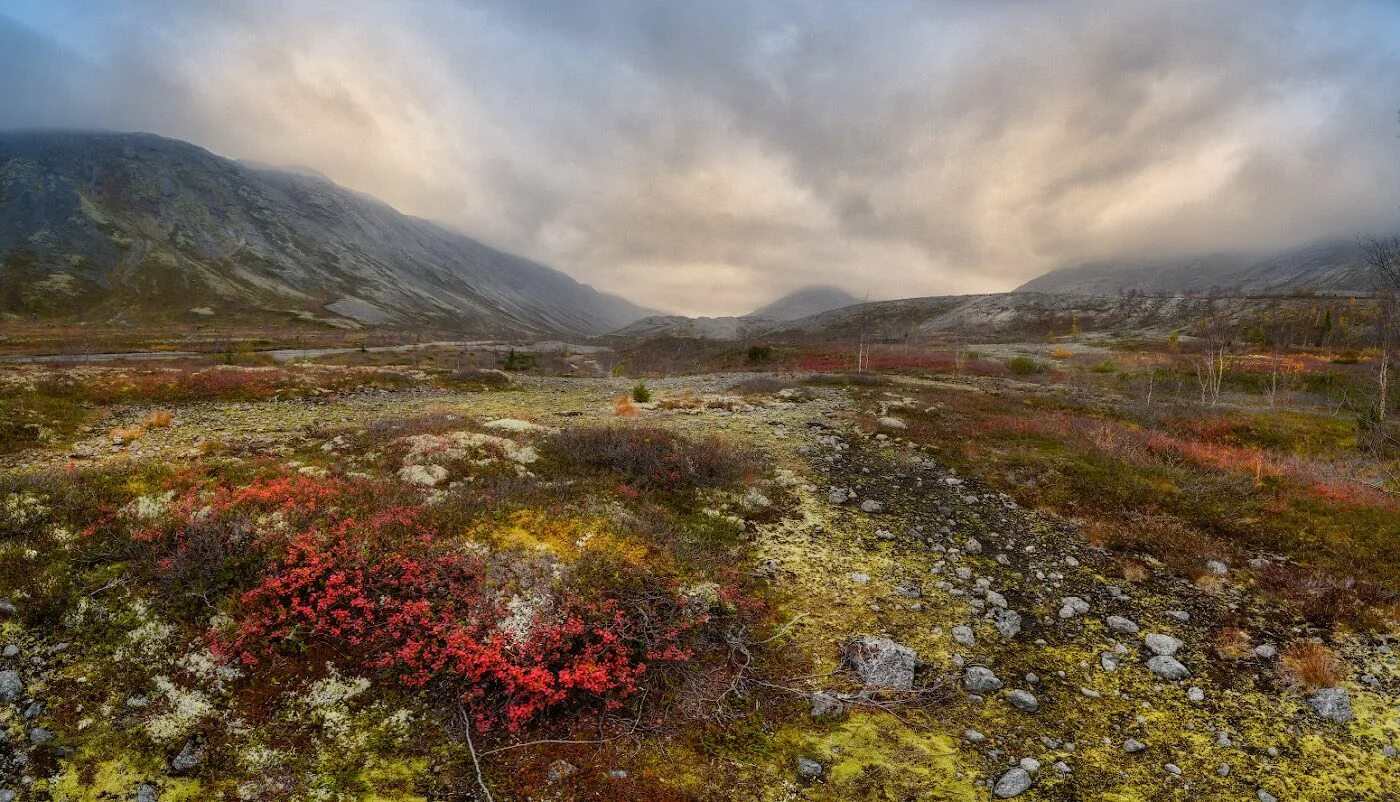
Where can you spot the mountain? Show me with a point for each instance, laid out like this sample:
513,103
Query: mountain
806,301
796,305
1335,266
113,226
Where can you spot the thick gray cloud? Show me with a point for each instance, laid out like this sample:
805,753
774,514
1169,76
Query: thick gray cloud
705,157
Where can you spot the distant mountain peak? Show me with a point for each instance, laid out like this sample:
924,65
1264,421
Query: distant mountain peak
98,226
810,300
1334,266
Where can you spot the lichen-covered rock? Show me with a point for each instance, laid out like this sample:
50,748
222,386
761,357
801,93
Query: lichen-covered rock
1333,704
825,706
1008,623
808,768
881,663
11,686
1158,643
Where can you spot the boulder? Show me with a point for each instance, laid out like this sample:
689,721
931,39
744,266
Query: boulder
1333,704
881,663
1013,783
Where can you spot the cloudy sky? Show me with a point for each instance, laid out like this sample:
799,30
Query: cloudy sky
706,156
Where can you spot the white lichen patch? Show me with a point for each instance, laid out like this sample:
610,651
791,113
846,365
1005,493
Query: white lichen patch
185,708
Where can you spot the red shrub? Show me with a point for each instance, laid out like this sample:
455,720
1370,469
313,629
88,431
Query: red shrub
432,619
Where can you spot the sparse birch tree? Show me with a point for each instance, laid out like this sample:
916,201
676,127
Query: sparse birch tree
1383,262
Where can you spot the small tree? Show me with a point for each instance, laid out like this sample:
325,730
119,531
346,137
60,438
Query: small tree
1383,262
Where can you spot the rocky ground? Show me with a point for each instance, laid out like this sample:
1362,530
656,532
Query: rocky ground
962,647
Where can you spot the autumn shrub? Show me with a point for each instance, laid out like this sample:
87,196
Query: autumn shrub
1312,665
1324,597
1024,366
652,458
158,419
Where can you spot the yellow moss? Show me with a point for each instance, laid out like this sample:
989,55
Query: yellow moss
118,779
875,753
566,537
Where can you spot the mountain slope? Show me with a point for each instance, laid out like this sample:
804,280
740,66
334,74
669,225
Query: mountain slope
101,226
803,302
1331,266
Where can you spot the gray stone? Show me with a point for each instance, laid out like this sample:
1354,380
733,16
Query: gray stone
1180,615
872,506
972,546
1012,783
187,760
1167,668
1108,661
1158,643
8,796
808,768
1390,751
1023,700
1265,796
1217,567
1332,703
1030,764
825,706
1008,623
11,650
995,599
973,736
980,679
1223,770
1172,768
40,735
1072,606
881,663
11,686
145,792
1121,625
560,769
1196,694
962,635
1265,651
1133,745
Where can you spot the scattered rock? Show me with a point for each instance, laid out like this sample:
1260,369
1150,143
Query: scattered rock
1023,700
1013,783
1265,796
11,686
187,760
871,506
881,663
808,768
1008,623
1217,567
1121,625
1265,651
1132,745
1072,606
1168,668
825,706
40,735
1161,644
1179,615
145,792
560,769
980,679
962,635
1332,703
1196,694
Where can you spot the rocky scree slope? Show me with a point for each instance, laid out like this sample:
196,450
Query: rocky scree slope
1063,683
136,227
